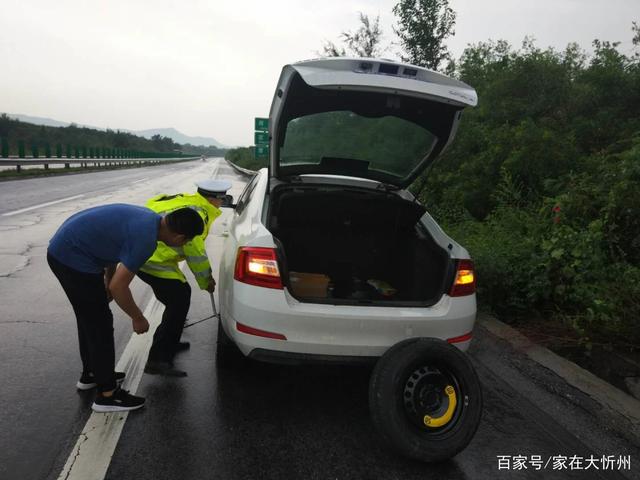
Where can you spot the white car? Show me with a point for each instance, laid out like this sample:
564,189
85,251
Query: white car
329,257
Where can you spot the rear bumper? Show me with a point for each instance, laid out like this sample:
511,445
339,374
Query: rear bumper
336,330
289,358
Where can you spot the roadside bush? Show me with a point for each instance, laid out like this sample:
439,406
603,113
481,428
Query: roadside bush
622,210
541,185
528,266
244,157
510,264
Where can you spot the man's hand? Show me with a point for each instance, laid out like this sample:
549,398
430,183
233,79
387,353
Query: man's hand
140,324
211,287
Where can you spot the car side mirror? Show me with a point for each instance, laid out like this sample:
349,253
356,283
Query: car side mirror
228,202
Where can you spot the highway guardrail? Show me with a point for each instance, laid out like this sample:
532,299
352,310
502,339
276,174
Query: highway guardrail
88,162
244,171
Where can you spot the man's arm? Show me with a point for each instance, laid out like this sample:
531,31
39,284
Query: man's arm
119,288
108,275
198,261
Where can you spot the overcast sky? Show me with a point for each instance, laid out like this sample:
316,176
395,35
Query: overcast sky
209,67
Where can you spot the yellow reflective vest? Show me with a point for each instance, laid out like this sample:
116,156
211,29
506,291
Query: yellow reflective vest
164,261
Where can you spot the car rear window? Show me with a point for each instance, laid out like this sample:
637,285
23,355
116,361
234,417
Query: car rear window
387,144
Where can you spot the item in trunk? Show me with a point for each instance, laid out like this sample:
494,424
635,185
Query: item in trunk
383,288
337,232
363,291
309,284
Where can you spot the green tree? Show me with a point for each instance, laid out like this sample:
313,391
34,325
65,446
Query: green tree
47,150
5,147
364,42
423,26
21,149
59,150
34,149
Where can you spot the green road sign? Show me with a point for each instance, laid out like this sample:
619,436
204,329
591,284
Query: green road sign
262,124
262,151
261,138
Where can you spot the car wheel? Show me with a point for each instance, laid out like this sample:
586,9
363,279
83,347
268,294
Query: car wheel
425,399
227,353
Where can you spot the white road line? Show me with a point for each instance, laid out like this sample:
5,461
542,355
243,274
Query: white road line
16,212
140,181
214,174
91,455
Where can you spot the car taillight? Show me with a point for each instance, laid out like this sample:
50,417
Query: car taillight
258,266
465,282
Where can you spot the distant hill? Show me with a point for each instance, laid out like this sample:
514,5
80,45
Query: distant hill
49,122
47,137
172,133
180,137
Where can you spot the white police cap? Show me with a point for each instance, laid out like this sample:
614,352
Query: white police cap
213,187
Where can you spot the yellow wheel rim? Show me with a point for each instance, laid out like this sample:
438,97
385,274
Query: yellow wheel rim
435,422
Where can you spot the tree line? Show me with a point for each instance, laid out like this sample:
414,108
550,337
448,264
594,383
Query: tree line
23,139
541,184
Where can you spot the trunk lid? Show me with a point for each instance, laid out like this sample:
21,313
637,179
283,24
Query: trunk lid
365,118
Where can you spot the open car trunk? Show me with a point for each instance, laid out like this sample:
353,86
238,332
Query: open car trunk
365,247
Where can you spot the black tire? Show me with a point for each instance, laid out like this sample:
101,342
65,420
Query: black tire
227,353
419,377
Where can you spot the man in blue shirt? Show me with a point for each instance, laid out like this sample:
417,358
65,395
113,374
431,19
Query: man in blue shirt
83,255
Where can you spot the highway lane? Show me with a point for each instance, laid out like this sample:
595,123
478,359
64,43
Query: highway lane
281,422
40,408
19,194
260,421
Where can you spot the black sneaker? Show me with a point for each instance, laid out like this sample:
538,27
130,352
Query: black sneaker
120,401
87,380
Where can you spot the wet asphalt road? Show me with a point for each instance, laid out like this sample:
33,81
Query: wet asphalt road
258,421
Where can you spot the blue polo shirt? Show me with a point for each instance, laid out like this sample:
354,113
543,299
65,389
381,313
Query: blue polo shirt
92,239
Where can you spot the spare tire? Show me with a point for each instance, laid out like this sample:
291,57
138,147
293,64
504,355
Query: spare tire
425,399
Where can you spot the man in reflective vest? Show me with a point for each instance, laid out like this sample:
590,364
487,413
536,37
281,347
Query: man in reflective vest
163,274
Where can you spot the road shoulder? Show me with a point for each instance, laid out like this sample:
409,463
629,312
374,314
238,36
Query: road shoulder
603,417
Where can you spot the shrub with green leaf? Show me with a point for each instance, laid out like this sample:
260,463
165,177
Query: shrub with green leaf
542,185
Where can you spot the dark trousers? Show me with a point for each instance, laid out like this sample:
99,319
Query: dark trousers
175,295
88,297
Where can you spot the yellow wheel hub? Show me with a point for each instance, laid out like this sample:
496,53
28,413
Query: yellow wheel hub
435,422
